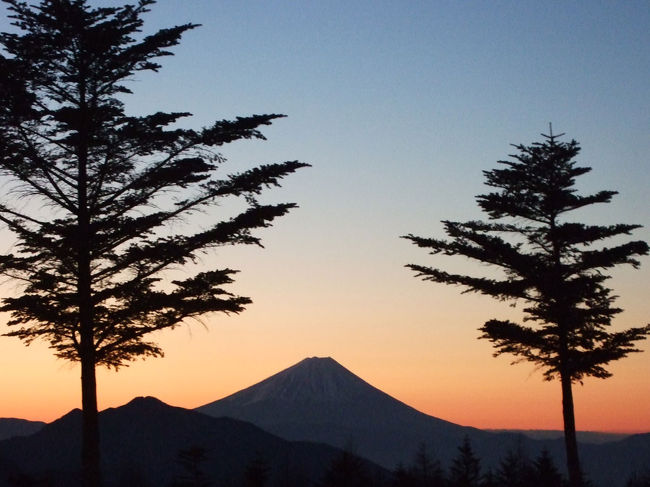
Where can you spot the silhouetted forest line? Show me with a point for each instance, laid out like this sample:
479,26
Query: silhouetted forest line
516,469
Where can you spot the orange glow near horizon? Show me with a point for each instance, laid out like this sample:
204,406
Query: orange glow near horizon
413,340
418,345
483,392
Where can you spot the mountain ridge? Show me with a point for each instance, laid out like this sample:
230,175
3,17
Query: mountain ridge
10,427
140,443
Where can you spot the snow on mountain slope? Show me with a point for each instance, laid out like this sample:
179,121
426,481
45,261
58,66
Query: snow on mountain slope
314,379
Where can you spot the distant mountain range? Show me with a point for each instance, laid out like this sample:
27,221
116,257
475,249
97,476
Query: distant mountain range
319,400
10,427
595,437
140,444
310,412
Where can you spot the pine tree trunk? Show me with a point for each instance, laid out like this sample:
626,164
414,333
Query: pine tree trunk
570,440
90,457
90,425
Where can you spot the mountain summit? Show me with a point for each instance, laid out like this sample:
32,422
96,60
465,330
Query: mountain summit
314,379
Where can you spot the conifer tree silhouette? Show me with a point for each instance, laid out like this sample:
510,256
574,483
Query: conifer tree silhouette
466,467
346,470
257,472
426,470
515,470
554,266
489,480
107,191
191,461
545,472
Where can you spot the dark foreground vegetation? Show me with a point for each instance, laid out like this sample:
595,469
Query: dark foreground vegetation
345,469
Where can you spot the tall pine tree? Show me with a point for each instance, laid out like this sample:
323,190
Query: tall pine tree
553,265
106,191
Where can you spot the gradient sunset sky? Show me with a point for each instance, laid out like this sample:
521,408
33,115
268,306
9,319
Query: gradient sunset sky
399,107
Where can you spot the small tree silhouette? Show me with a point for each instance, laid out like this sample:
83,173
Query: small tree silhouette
489,480
257,472
545,472
191,461
346,470
426,470
403,477
466,467
515,470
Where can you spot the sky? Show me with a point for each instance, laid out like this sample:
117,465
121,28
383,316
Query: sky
398,107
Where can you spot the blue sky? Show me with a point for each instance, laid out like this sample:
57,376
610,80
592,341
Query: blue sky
394,98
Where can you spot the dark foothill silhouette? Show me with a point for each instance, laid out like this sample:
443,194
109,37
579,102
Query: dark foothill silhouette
163,445
10,427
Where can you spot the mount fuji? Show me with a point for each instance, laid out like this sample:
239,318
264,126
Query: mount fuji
319,400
